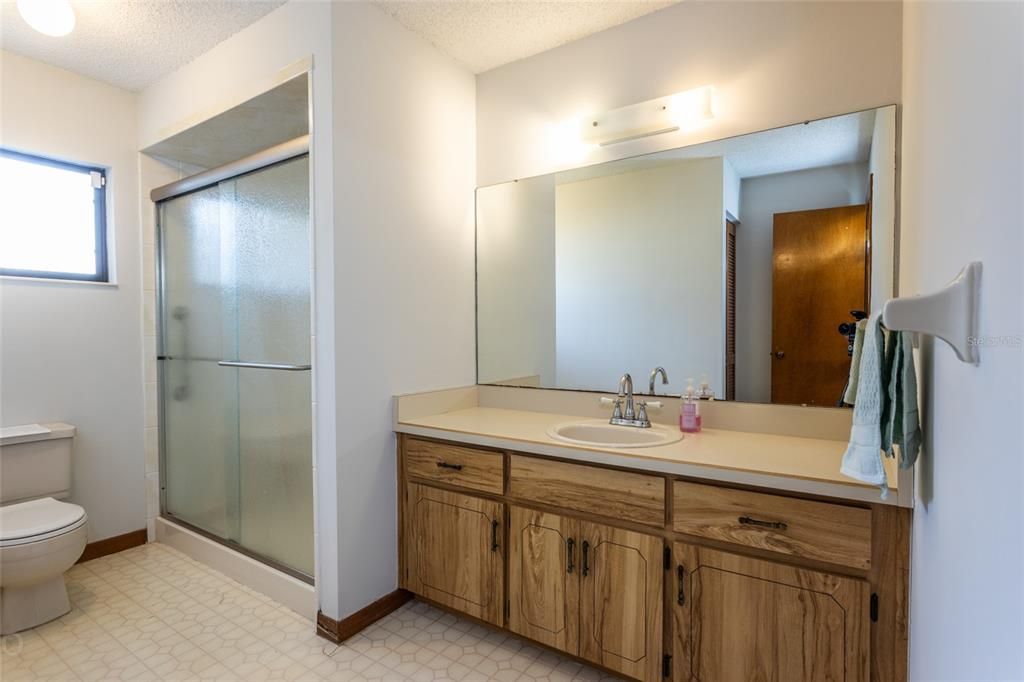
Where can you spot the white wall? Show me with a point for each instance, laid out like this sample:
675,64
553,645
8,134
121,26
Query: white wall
962,150
882,167
247,64
516,281
639,276
404,130
772,63
731,190
760,199
72,352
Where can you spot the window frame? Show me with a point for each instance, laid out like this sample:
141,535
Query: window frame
102,273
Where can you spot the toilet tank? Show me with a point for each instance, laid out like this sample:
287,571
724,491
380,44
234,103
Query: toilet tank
35,461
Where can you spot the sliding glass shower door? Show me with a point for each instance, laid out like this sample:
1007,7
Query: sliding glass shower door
234,359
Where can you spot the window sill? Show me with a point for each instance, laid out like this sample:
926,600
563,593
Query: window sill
55,280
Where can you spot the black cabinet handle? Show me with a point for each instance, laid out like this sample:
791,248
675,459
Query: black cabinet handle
446,465
586,558
494,536
681,576
570,555
748,521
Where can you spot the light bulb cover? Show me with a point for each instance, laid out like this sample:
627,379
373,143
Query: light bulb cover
680,111
50,17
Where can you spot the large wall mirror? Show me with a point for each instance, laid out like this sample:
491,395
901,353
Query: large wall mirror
743,260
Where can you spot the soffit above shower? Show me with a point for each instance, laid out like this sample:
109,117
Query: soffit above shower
276,116
486,35
132,44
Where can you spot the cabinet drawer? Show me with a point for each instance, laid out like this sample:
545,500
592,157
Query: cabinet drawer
615,494
454,464
833,533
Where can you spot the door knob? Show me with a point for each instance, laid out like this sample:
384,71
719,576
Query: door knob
780,354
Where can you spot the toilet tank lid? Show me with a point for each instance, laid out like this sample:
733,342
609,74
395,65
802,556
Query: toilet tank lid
26,433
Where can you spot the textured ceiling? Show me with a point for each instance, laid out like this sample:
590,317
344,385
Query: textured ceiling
132,43
825,142
484,34
274,117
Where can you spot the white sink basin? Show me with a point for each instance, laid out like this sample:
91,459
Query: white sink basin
599,433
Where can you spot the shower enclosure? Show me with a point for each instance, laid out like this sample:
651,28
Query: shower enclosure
234,356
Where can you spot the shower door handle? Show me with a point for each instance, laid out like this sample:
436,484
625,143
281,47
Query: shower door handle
264,365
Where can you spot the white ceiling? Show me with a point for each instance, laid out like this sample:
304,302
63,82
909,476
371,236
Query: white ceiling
816,144
132,43
484,34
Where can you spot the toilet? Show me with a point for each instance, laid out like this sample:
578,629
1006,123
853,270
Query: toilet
40,536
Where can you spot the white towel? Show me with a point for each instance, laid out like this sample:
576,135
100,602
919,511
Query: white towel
863,457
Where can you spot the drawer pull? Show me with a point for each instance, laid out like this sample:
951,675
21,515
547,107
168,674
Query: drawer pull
494,536
586,558
570,555
748,521
446,465
681,576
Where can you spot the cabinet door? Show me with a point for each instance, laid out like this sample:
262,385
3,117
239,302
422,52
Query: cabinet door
454,549
738,618
621,602
543,582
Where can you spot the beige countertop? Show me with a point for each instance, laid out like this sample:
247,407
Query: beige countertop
809,465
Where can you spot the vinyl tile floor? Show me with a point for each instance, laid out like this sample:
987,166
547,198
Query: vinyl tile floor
152,613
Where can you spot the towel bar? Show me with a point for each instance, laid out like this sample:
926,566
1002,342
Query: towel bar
950,314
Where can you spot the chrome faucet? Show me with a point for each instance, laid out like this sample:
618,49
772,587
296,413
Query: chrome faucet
626,391
654,375
630,418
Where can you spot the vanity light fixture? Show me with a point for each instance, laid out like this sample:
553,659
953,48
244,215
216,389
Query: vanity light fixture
50,17
681,111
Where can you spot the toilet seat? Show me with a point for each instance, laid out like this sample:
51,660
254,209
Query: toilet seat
37,520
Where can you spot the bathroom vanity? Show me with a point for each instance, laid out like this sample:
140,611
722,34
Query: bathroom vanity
653,562
539,503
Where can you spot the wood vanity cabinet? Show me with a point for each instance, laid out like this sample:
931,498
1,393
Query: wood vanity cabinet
655,577
740,618
588,589
453,551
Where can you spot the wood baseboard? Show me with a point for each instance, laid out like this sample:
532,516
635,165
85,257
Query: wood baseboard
338,631
118,543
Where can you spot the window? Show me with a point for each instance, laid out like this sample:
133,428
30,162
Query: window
52,218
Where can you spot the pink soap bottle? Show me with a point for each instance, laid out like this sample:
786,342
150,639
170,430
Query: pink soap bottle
689,411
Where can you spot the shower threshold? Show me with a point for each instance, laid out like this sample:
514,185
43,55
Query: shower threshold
284,585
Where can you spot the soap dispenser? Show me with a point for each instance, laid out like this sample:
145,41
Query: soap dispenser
689,411
705,392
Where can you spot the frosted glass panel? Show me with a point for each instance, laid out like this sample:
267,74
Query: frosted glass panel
200,405
237,441
271,219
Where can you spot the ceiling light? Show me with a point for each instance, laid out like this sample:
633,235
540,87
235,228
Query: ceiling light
681,111
51,17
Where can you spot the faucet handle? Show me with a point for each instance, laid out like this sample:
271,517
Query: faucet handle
617,412
642,413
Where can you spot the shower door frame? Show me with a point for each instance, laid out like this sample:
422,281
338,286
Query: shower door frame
261,160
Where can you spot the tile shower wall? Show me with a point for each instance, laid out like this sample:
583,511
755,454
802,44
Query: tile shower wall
153,173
